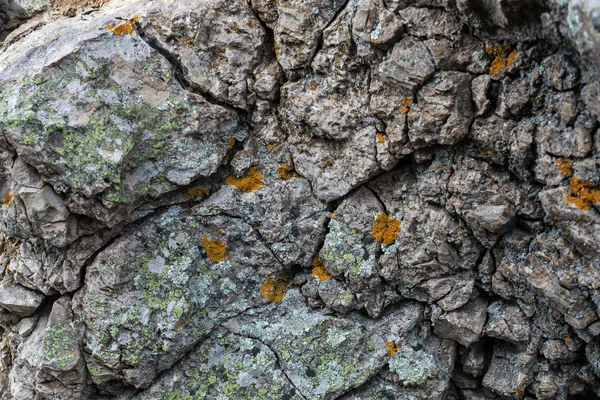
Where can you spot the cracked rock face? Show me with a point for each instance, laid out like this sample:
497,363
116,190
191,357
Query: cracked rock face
332,199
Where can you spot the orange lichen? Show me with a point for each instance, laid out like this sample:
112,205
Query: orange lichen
503,57
583,194
276,49
270,147
274,289
518,391
333,214
231,142
312,85
195,192
380,138
7,199
565,166
215,249
385,229
406,105
247,183
286,173
136,17
567,339
392,348
318,269
125,28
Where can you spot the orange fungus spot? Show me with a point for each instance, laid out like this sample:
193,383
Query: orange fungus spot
385,229
392,348
286,173
247,183
195,192
583,194
565,166
215,249
318,269
274,289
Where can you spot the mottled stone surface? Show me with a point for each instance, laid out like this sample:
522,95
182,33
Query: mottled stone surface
290,199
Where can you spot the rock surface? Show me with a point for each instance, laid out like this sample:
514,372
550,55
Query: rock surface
329,199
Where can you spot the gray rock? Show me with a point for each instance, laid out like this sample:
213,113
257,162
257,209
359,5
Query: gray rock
442,112
299,199
19,300
511,369
463,325
507,322
408,66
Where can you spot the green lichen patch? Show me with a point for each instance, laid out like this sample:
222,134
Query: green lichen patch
61,347
170,293
413,367
226,366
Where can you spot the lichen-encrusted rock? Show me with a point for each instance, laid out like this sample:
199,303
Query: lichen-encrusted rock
49,362
218,43
290,199
130,131
226,366
160,289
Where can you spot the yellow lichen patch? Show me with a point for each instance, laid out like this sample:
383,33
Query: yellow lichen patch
247,183
274,289
7,199
385,229
276,49
565,166
380,138
583,194
231,142
286,173
195,192
270,147
392,348
125,28
318,269
215,249
503,57
136,17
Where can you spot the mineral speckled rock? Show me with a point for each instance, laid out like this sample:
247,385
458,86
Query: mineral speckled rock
290,199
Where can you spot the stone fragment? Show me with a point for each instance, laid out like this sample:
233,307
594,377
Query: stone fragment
560,73
298,28
442,112
19,300
486,199
219,45
374,24
511,368
408,65
507,322
463,325
49,363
